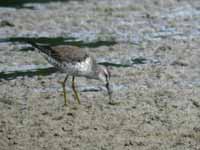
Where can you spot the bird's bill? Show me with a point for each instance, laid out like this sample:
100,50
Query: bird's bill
109,91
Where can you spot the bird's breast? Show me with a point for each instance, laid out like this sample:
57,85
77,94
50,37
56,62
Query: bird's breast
82,68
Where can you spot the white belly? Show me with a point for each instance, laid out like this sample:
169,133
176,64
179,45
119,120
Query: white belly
79,69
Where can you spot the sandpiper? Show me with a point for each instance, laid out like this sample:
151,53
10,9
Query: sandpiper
74,61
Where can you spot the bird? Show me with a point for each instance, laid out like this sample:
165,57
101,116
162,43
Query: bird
76,62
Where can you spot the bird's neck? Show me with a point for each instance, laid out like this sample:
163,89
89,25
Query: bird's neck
96,72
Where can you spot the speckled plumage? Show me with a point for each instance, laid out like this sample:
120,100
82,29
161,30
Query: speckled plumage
74,61
69,59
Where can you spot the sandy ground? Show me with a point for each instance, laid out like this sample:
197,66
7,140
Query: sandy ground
159,103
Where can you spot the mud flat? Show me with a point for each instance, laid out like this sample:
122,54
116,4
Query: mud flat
155,77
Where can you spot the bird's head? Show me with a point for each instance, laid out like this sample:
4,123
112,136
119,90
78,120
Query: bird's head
104,75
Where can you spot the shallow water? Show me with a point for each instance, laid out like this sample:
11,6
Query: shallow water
59,41
21,3
10,75
152,51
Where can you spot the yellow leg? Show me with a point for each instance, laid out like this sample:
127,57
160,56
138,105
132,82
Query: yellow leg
64,90
74,90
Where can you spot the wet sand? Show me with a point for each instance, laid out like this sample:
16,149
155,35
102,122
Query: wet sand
159,99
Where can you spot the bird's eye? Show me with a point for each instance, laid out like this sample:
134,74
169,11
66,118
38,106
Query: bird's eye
107,77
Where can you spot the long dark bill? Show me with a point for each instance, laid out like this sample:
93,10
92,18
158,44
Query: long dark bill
109,91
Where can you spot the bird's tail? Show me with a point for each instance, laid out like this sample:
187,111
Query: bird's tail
42,48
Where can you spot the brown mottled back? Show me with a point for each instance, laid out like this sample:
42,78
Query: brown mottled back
62,53
70,54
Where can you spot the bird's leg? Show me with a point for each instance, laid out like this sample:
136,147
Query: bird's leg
74,90
111,102
64,90
109,93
